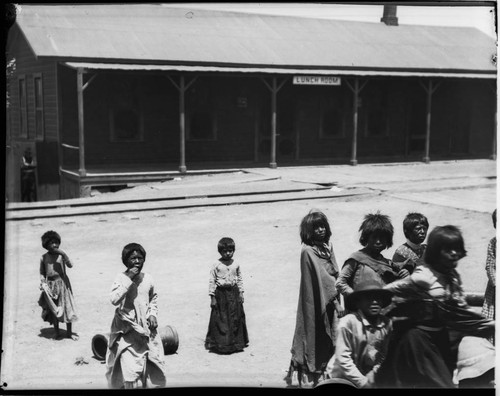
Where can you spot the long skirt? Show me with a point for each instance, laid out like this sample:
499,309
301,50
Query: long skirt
227,329
57,302
417,359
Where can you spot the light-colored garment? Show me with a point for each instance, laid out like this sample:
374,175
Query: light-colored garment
488,310
133,350
360,349
489,296
222,275
56,300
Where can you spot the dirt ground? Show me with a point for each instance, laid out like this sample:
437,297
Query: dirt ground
181,245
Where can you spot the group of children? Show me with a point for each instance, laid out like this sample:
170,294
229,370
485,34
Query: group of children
345,324
394,330
134,357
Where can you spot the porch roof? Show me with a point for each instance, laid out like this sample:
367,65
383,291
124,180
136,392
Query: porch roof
181,37
271,70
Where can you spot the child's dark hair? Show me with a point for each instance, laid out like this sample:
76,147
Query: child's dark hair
494,218
412,220
50,236
129,249
376,223
309,222
226,243
442,237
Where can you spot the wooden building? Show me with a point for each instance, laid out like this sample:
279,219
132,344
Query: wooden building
110,94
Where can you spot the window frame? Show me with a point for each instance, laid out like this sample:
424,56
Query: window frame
39,107
23,107
322,109
112,131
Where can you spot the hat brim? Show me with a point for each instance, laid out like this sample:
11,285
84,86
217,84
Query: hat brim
352,299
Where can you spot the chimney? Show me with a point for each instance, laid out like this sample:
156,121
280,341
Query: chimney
389,17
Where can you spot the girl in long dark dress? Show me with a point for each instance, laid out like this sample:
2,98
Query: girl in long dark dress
227,330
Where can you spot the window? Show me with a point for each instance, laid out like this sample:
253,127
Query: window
126,124
23,108
332,123
39,122
125,112
375,104
201,120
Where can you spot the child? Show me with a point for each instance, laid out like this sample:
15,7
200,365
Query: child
56,300
363,336
409,254
135,350
368,263
488,310
227,329
319,304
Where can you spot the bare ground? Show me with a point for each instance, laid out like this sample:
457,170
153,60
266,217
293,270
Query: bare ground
180,246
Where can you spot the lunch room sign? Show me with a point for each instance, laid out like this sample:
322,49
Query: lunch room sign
316,80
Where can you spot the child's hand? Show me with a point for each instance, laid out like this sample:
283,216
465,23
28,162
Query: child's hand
132,272
241,298
371,380
58,251
213,302
341,313
152,323
403,273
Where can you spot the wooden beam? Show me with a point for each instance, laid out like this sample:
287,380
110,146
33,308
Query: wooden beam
81,134
356,89
274,88
182,121
430,88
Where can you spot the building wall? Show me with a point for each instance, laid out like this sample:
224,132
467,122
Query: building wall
28,67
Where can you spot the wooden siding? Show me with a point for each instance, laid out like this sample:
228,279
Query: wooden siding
27,65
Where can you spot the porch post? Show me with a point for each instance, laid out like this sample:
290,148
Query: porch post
356,89
493,155
274,90
81,135
426,158
182,120
354,149
494,151
430,89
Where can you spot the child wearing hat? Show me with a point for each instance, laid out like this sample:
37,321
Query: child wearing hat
135,351
363,336
56,299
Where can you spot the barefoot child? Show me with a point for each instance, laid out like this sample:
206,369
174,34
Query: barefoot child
56,300
319,304
135,350
227,330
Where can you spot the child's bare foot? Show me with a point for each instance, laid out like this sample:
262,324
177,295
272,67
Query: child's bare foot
74,336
